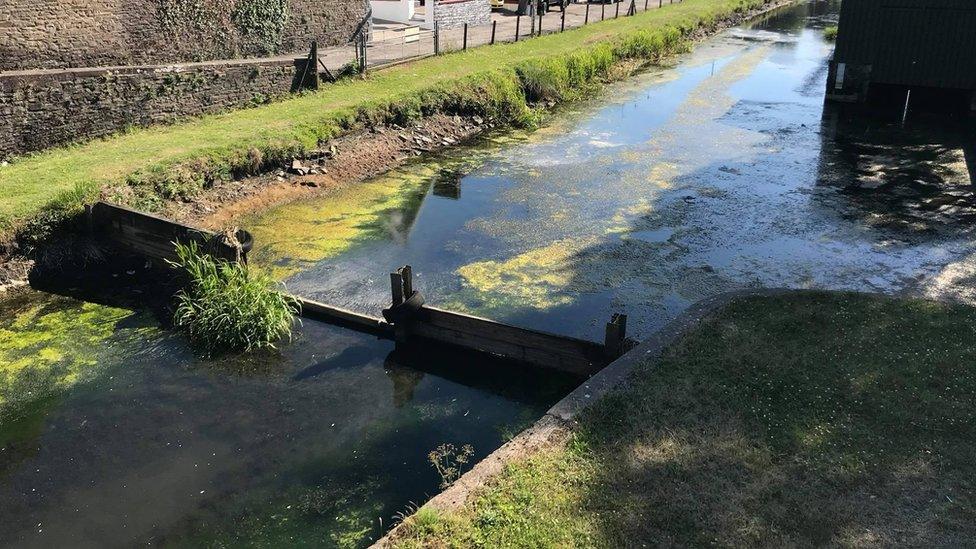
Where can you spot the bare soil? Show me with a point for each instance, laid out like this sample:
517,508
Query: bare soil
347,159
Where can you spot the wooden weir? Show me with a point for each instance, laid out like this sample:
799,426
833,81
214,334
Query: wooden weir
153,236
407,321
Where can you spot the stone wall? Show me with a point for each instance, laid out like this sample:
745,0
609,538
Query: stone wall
44,34
48,109
455,13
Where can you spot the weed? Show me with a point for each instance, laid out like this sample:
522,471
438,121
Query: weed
227,307
449,461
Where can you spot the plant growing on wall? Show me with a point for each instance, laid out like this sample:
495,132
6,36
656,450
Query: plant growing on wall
262,22
259,24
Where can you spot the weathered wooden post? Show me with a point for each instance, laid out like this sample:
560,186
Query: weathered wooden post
562,21
633,8
660,3
464,41
401,284
586,18
494,25
616,336
437,38
362,49
518,21
645,4
603,10
616,12
540,23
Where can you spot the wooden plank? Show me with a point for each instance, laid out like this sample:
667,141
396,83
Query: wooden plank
314,310
151,235
566,354
573,364
494,330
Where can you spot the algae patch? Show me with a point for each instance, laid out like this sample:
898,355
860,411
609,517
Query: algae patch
49,344
295,236
540,278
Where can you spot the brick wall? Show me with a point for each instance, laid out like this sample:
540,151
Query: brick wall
40,34
44,110
456,13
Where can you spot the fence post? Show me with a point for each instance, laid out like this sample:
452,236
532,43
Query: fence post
464,42
586,18
603,9
540,23
562,21
645,4
437,38
616,12
660,3
518,21
362,54
633,8
494,24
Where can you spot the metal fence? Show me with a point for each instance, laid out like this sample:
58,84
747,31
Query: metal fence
397,45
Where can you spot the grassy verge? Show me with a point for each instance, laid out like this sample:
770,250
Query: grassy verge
805,420
500,82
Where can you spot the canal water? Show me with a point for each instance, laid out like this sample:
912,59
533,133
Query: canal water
721,172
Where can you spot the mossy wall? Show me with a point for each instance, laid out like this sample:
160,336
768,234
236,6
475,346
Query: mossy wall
40,34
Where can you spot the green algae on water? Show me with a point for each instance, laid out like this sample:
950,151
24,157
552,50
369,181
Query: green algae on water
49,344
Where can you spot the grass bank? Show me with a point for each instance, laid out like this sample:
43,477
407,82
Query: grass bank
803,420
175,162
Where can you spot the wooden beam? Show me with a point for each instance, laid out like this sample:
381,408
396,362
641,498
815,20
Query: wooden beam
154,236
314,310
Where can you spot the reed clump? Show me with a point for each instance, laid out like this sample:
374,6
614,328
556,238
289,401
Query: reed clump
229,308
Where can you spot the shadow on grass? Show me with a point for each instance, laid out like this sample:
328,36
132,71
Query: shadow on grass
802,420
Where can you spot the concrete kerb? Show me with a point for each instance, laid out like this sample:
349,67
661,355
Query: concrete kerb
556,426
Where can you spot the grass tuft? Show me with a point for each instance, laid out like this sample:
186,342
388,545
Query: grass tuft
228,308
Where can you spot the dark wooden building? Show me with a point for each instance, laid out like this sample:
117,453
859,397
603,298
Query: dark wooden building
925,44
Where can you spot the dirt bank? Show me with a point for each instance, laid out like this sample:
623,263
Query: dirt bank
348,159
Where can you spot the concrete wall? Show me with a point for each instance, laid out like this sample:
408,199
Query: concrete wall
40,34
401,11
44,110
455,13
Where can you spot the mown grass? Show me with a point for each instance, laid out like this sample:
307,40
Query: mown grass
805,420
177,161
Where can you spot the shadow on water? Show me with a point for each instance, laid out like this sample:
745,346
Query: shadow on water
918,176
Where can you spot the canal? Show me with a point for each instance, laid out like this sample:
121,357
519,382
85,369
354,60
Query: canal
723,171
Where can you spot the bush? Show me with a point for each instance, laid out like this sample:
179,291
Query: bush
830,33
226,307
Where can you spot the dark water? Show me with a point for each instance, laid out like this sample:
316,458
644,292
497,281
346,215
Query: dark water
721,173
113,434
